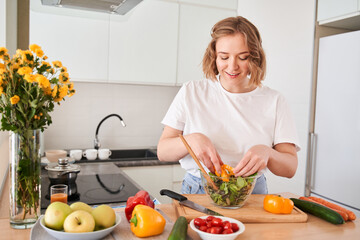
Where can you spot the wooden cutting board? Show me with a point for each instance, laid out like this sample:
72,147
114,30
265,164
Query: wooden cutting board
251,212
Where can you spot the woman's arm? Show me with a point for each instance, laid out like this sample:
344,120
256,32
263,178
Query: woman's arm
171,148
281,160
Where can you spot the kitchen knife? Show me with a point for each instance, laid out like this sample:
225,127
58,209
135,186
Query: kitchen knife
184,201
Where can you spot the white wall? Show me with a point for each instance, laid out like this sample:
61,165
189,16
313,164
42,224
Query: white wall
8,35
2,22
141,107
287,30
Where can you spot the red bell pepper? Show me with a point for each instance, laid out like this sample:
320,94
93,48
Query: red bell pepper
142,197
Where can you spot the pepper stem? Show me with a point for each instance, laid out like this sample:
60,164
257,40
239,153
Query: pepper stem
134,220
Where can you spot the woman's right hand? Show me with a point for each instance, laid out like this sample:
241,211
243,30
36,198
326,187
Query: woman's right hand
205,151
171,148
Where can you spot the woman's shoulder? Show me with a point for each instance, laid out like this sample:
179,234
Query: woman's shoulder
270,92
199,84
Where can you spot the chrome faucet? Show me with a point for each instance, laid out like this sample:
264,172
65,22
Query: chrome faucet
96,141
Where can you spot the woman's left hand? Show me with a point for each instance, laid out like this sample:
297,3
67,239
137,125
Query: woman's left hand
255,159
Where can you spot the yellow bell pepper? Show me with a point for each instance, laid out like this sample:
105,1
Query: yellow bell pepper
146,221
278,204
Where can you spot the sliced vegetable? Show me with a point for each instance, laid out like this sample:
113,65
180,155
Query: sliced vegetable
230,192
343,214
351,215
179,230
278,204
319,211
226,172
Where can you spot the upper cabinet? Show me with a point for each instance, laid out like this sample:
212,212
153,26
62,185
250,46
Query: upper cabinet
79,39
143,46
159,42
339,13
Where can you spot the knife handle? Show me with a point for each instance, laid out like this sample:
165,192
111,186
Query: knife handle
173,195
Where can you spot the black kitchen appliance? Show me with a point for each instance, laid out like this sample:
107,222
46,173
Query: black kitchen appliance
93,189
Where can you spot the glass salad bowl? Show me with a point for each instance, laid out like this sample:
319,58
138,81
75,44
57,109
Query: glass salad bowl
232,191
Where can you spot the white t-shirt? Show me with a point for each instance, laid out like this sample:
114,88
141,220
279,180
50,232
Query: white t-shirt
234,122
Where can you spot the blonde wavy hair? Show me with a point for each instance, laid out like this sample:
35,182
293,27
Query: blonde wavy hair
230,26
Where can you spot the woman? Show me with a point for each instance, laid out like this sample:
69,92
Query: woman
230,117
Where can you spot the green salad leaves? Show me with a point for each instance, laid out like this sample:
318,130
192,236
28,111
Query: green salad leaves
231,193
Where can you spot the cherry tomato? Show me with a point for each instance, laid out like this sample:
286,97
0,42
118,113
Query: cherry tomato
227,226
215,230
203,228
234,227
208,224
199,222
216,222
208,230
225,222
227,231
209,218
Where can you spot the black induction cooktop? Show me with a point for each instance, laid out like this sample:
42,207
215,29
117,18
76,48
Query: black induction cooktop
93,189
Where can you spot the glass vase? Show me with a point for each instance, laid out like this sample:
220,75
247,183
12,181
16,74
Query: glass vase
25,183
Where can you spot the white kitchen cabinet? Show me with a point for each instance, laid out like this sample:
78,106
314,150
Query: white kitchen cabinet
154,178
225,4
79,39
339,13
194,36
143,45
160,42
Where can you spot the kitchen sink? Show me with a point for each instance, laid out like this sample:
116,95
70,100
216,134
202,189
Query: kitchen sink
126,155
134,154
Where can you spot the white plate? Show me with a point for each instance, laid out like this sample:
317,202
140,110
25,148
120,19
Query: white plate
79,236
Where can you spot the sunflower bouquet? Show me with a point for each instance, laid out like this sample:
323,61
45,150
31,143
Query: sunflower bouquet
30,87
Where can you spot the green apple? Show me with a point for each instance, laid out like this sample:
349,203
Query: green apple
81,206
104,217
79,221
55,215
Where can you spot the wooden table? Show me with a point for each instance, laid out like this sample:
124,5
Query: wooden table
314,228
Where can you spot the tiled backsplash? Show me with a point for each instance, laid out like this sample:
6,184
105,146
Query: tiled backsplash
141,107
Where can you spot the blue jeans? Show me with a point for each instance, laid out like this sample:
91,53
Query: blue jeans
192,185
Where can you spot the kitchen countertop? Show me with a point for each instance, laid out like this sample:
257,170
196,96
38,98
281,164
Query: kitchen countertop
314,228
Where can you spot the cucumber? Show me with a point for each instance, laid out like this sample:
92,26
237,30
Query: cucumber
179,230
319,211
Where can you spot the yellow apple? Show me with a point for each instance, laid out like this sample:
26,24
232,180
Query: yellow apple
55,215
104,217
81,206
79,221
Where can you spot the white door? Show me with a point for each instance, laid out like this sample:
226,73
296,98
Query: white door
337,120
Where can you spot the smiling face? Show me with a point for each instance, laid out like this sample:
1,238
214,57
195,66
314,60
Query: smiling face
232,63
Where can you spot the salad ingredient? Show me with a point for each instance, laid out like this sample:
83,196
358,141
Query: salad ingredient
232,191
319,211
146,221
343,214
351,215
179,230
215,225
141,197
278,204
226,172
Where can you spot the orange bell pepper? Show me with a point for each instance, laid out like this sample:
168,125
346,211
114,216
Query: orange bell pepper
146,221
226,172
278,204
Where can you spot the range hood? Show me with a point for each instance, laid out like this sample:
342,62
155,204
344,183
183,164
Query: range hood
110,6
